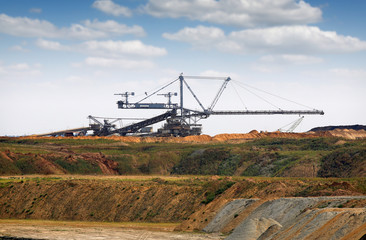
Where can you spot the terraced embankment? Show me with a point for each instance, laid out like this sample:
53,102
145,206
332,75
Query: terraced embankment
240,185
236,206
293,218
286,155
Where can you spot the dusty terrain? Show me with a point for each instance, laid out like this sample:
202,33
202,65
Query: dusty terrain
257,185
296,218
100,231
222,205
346,133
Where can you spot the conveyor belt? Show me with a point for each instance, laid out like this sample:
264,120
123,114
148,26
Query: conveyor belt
136,126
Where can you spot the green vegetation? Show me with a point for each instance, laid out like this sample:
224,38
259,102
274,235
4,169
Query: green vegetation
209,161
78,166
343,162
8,168
289,144
269,157
215,189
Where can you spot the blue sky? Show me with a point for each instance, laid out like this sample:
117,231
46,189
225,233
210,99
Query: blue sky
61,61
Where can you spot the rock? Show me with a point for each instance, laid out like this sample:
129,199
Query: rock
270,231
298,218
227,213
254,228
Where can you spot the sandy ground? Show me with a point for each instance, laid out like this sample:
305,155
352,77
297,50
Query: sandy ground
60,231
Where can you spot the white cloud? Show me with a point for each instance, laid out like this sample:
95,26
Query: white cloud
242,13
109,48
200,36
265,68
28,27
80,31
19,67
214,73
19,70
349,74
109,7
74,79
298,40
19,48
118,63
50,45
115,28
35,10
37,65
279,63
135,47
290,59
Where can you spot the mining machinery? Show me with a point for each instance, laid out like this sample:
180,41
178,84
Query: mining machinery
180,120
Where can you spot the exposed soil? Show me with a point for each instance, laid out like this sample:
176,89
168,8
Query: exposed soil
190,203
345,132
348,133
125,199
44,164
349,127
20,230
92,200
296,218
201,138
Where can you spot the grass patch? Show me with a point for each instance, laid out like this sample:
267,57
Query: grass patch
259,157
214,191
80,166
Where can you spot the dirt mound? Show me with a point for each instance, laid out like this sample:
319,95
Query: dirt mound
295,218
61,162
91,200
227,213
173,199
191,139
260,191
200,138
330,128
107,166
255,134
348,133
260,207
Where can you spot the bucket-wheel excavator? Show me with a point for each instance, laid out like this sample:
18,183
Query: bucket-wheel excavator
180,121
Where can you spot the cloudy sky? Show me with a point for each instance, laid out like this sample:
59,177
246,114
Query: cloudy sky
61,61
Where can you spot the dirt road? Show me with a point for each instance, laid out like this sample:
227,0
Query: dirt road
62,231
